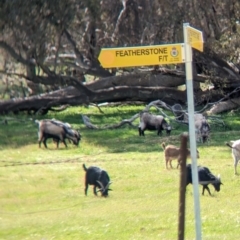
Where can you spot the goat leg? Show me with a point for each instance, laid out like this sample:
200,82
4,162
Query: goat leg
206,187
95,190
166,164
140,131
235,165
159,132
178,163
45,142
171,163
86,188
64,142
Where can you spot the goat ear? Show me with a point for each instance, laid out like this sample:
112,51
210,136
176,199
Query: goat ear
110,189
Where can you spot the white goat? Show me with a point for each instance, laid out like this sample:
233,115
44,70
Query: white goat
202,128
172,152
235,153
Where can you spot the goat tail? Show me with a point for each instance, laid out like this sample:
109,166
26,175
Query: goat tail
84,167
163,145
229,145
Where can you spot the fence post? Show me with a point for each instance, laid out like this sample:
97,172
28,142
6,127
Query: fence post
182,190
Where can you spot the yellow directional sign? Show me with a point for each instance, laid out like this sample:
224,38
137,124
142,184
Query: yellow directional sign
195,38
142,55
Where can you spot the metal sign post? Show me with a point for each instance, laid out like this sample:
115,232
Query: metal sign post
166,54
192,135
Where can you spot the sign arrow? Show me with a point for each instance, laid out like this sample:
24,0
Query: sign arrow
142,55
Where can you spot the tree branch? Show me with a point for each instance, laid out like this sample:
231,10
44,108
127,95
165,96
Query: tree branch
13,53
116,29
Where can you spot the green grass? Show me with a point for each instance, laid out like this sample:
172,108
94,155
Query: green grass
42,191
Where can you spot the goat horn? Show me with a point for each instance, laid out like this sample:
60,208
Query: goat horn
102,187
108,185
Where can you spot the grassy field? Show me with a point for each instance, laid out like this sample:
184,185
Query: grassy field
42,191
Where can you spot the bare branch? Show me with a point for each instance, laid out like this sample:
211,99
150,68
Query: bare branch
89,125
79,56
115,32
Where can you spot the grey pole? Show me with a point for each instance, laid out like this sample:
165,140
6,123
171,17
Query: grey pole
192,135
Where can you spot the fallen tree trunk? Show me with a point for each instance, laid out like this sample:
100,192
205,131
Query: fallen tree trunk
172,79
225,106
73,97
145,87
48,101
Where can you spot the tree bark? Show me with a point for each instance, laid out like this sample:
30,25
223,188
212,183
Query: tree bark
225,106
61,97
132,87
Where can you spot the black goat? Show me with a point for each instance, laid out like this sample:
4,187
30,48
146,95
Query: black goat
98,178
205,177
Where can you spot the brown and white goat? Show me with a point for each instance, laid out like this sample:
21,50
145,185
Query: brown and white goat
51,129
172,152
72,132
